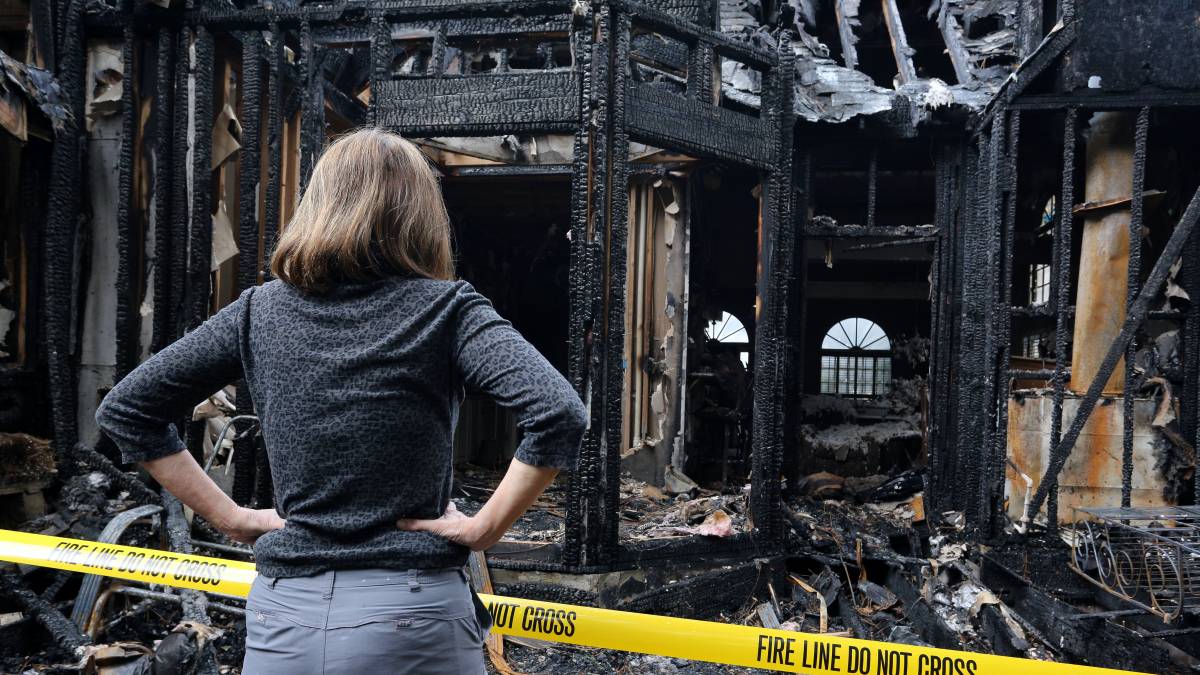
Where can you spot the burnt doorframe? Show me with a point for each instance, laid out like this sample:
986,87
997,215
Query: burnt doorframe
695,124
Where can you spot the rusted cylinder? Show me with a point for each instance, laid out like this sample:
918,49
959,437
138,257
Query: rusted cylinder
1104,259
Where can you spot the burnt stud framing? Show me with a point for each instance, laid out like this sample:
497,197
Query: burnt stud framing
595,98
969,438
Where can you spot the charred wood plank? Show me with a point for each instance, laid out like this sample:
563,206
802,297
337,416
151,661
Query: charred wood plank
900,49
65,634
490,103
1097,642
901,234
931,627
353,11
952,35
193,602
128,225
200,235
163,146
846,13
662,118
61,232
87,459
249,260
524,27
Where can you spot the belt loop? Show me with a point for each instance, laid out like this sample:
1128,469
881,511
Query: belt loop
271,582
414,581
329,589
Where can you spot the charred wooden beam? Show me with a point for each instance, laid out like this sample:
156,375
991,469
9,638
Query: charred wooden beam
128,220
64,633
249,253
193,602
177,253
900,49
62,223
1133,276
272,190
846,14
499,103
582,271
312,113
200,235
1095,641
822,227
952,35
768,443
90,460
1030,26
341,104
344,34
162,332
1061,290
616,236
359,10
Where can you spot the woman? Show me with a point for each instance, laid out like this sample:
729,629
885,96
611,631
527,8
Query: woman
356,359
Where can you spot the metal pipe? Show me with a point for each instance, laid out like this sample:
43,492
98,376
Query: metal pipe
1104,249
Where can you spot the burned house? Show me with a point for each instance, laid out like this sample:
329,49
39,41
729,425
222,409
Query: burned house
794,256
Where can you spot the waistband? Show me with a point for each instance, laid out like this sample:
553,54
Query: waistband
353,578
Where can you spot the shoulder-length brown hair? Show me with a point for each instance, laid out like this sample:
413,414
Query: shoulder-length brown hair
373,208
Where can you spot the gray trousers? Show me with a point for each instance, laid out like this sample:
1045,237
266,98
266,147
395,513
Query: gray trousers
365,621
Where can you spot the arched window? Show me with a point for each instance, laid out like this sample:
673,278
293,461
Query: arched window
729,331
856,359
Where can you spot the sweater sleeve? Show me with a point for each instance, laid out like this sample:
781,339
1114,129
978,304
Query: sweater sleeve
492,357
138,414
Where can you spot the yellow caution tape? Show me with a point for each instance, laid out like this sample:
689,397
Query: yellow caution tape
781,650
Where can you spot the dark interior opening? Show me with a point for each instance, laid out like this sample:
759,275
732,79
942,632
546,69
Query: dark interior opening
511,243
724,241
875,57
510,237
930,59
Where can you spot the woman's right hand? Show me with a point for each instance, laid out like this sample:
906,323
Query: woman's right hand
245,526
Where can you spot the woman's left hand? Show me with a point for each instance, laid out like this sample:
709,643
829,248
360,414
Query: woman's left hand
453,525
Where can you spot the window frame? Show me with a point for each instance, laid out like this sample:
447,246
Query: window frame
856,360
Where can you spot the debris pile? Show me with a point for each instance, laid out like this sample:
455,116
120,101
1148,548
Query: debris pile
648,512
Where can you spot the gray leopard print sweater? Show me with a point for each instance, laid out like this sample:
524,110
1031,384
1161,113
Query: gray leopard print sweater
358,391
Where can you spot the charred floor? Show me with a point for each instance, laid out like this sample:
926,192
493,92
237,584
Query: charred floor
882,310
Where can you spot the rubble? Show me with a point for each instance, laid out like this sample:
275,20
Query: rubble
649,513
